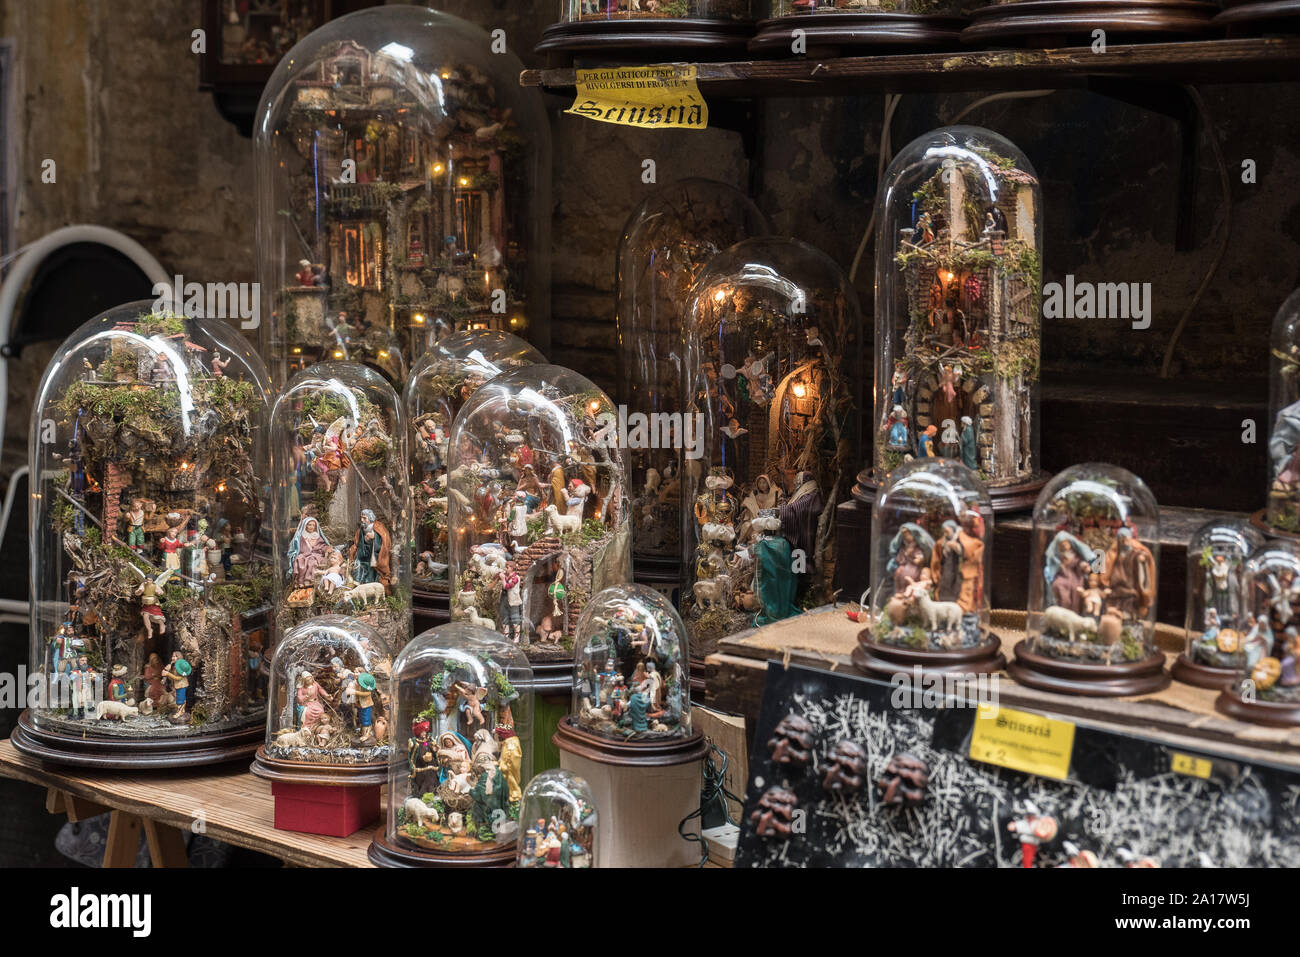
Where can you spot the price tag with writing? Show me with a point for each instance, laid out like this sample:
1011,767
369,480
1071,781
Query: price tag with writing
658,97
1190,765
1023,742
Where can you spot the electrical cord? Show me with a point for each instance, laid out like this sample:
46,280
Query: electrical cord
714,791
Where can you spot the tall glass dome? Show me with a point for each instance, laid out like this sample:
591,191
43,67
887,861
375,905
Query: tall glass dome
1266,687
403,181
931,566
341,527
773,342
149,593
667,242
631,667
443,381
462,728
558,820
1282,509
959,238
536,506
1217,610
1093,576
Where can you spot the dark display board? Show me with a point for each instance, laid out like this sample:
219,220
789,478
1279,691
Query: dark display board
1125,797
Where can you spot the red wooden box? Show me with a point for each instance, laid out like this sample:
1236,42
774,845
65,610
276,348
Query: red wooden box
324,809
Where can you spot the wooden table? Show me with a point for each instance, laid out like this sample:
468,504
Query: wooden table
224,802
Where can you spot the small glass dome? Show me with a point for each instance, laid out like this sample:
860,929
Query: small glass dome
148,597
329,694
1270,649
666,243
462,717
441,382
1217,609
579,11
931,557
631,667
958,294
341,510
1093,567
1283,507
558,822
536,506
773,344
403,183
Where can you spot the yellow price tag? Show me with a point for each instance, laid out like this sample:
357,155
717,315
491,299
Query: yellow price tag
1023,742
1189,765
651,97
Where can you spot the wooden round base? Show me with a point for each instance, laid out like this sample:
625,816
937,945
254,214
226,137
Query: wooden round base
879,660
652,35
1276,714
1005,498
1092,681
1189,672
1056,22
326,775
134,754
653,752
1260,523
1248,18
830,33
385,853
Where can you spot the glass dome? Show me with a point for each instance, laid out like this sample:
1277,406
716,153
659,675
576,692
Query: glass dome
536,506
667,241
558,821
1270,648
148,595
581,11
631,667
773,348
958,295
931,557
341,516
441,382
1217,612
329,694
403,181
462,716
1283,508
1093,568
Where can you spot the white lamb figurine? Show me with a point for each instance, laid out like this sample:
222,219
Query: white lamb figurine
474,618
417,812
116,709
561,524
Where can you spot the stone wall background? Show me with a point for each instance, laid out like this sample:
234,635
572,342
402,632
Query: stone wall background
109,90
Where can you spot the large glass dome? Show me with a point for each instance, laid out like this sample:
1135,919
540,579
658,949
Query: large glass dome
631,667
443,381
149,597
773,350
665,245
462,718
403,181
1282,510
329,694
341,510
536,506
958,292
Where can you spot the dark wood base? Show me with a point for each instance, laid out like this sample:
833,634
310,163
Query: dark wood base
134,754
1189,672
655,36
830,34
1273,713
1005,498
878,660
1094,681
384,853
655,752
428,610
1249,18
1051,23
1259,522
324,775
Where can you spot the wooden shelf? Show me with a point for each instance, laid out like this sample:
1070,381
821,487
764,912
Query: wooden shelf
1252,60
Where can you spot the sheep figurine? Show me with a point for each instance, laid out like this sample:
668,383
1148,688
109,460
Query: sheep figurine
561,524
419,813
